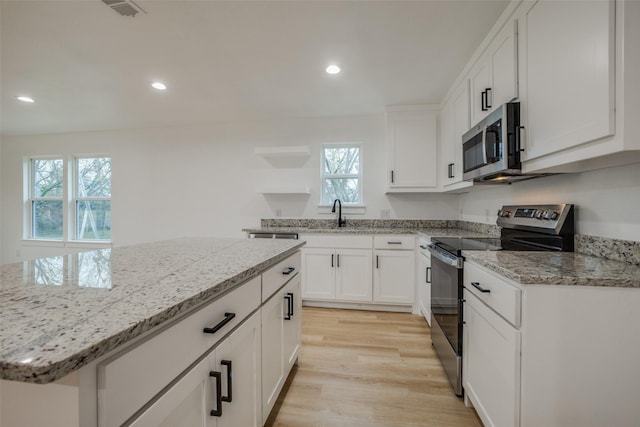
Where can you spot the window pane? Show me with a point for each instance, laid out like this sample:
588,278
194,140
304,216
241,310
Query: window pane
47,177
345,189
47,219
94,220
94,177
341,160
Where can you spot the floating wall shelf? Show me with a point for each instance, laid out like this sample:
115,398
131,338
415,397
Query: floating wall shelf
284,151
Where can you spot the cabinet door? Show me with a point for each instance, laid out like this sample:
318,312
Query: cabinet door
412,150
238,359
273,370
424,286
461,124
292,324
187,403
569,74
491,375
353,275
503,60
393,277
318,273
447,143
479,82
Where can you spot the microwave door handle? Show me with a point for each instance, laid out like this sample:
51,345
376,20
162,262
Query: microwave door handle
484,144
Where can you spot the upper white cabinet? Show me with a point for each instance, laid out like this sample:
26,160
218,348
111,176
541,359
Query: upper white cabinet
412,148
454,122
570,74
493,80
581,100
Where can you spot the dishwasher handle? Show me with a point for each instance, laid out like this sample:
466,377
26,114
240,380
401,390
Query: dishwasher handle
445,257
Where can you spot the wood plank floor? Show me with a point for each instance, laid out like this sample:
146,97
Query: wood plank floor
365,368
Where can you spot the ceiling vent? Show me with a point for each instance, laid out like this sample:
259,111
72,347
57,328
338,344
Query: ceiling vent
124,7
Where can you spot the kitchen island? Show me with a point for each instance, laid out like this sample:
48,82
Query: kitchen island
61,317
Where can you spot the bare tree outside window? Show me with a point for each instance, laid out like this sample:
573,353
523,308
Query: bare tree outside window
341,174
93,198
46,190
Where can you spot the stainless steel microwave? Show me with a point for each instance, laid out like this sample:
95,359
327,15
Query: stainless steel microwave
491,148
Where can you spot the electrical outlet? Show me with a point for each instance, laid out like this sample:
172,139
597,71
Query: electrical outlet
278,212
385,214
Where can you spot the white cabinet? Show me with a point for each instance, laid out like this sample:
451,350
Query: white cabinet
280,341
221,390
412,149
424,284
454,122
337,268
569,73
394,277
493,80
491,364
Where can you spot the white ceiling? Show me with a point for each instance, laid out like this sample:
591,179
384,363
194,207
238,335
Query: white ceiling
90,68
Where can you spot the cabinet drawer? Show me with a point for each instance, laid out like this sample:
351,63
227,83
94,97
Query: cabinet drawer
394,242
501,296
334,241
279,274
130,379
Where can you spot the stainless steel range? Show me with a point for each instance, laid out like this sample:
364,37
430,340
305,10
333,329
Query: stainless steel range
523,228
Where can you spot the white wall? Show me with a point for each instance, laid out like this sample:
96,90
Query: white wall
607,200
202,180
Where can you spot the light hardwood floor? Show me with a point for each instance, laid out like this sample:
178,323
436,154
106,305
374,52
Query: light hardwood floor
365,368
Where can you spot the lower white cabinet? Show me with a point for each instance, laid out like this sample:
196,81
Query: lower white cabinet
337,274
281,329
424,285
491,364
220,390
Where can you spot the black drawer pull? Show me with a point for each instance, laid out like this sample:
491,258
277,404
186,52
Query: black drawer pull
478,287
228,397
289,270
288,297
218,377
291,299
394,243
213,329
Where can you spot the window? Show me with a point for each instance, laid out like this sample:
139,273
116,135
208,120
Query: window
341,174
57,210
45,198
92,198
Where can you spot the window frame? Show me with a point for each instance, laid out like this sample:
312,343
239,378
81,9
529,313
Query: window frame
31,198
69,236
358,176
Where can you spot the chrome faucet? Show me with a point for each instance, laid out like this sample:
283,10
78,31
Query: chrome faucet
341,222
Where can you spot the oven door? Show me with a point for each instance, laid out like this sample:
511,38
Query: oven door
446,286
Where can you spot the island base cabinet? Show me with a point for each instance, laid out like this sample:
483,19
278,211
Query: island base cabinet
491,374
221,390
280,341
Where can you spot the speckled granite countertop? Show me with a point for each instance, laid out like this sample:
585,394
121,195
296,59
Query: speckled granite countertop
426,231
58,314
558,268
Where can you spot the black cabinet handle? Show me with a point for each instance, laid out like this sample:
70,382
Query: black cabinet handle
218,377
483,101
394,243
423,247
213,329
450,172
229,396
519,130
288,297
289,271
488,97
392,180
428,275
377,262
478,287
332,260
291,299
338,260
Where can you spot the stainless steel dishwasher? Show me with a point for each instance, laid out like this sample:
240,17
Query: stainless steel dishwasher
273,235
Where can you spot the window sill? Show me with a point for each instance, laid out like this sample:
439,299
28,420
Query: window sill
88,244
346,209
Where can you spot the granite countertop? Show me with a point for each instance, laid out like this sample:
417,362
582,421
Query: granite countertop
558,268
58,314
426,231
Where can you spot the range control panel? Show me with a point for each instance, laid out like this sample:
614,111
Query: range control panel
536,217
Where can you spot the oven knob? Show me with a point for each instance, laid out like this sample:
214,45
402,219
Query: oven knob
545,214
538,214
554,215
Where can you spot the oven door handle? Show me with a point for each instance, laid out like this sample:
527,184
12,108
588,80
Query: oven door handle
451,260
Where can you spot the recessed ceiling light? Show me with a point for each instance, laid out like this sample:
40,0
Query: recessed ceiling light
333,69
25,99
158,85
